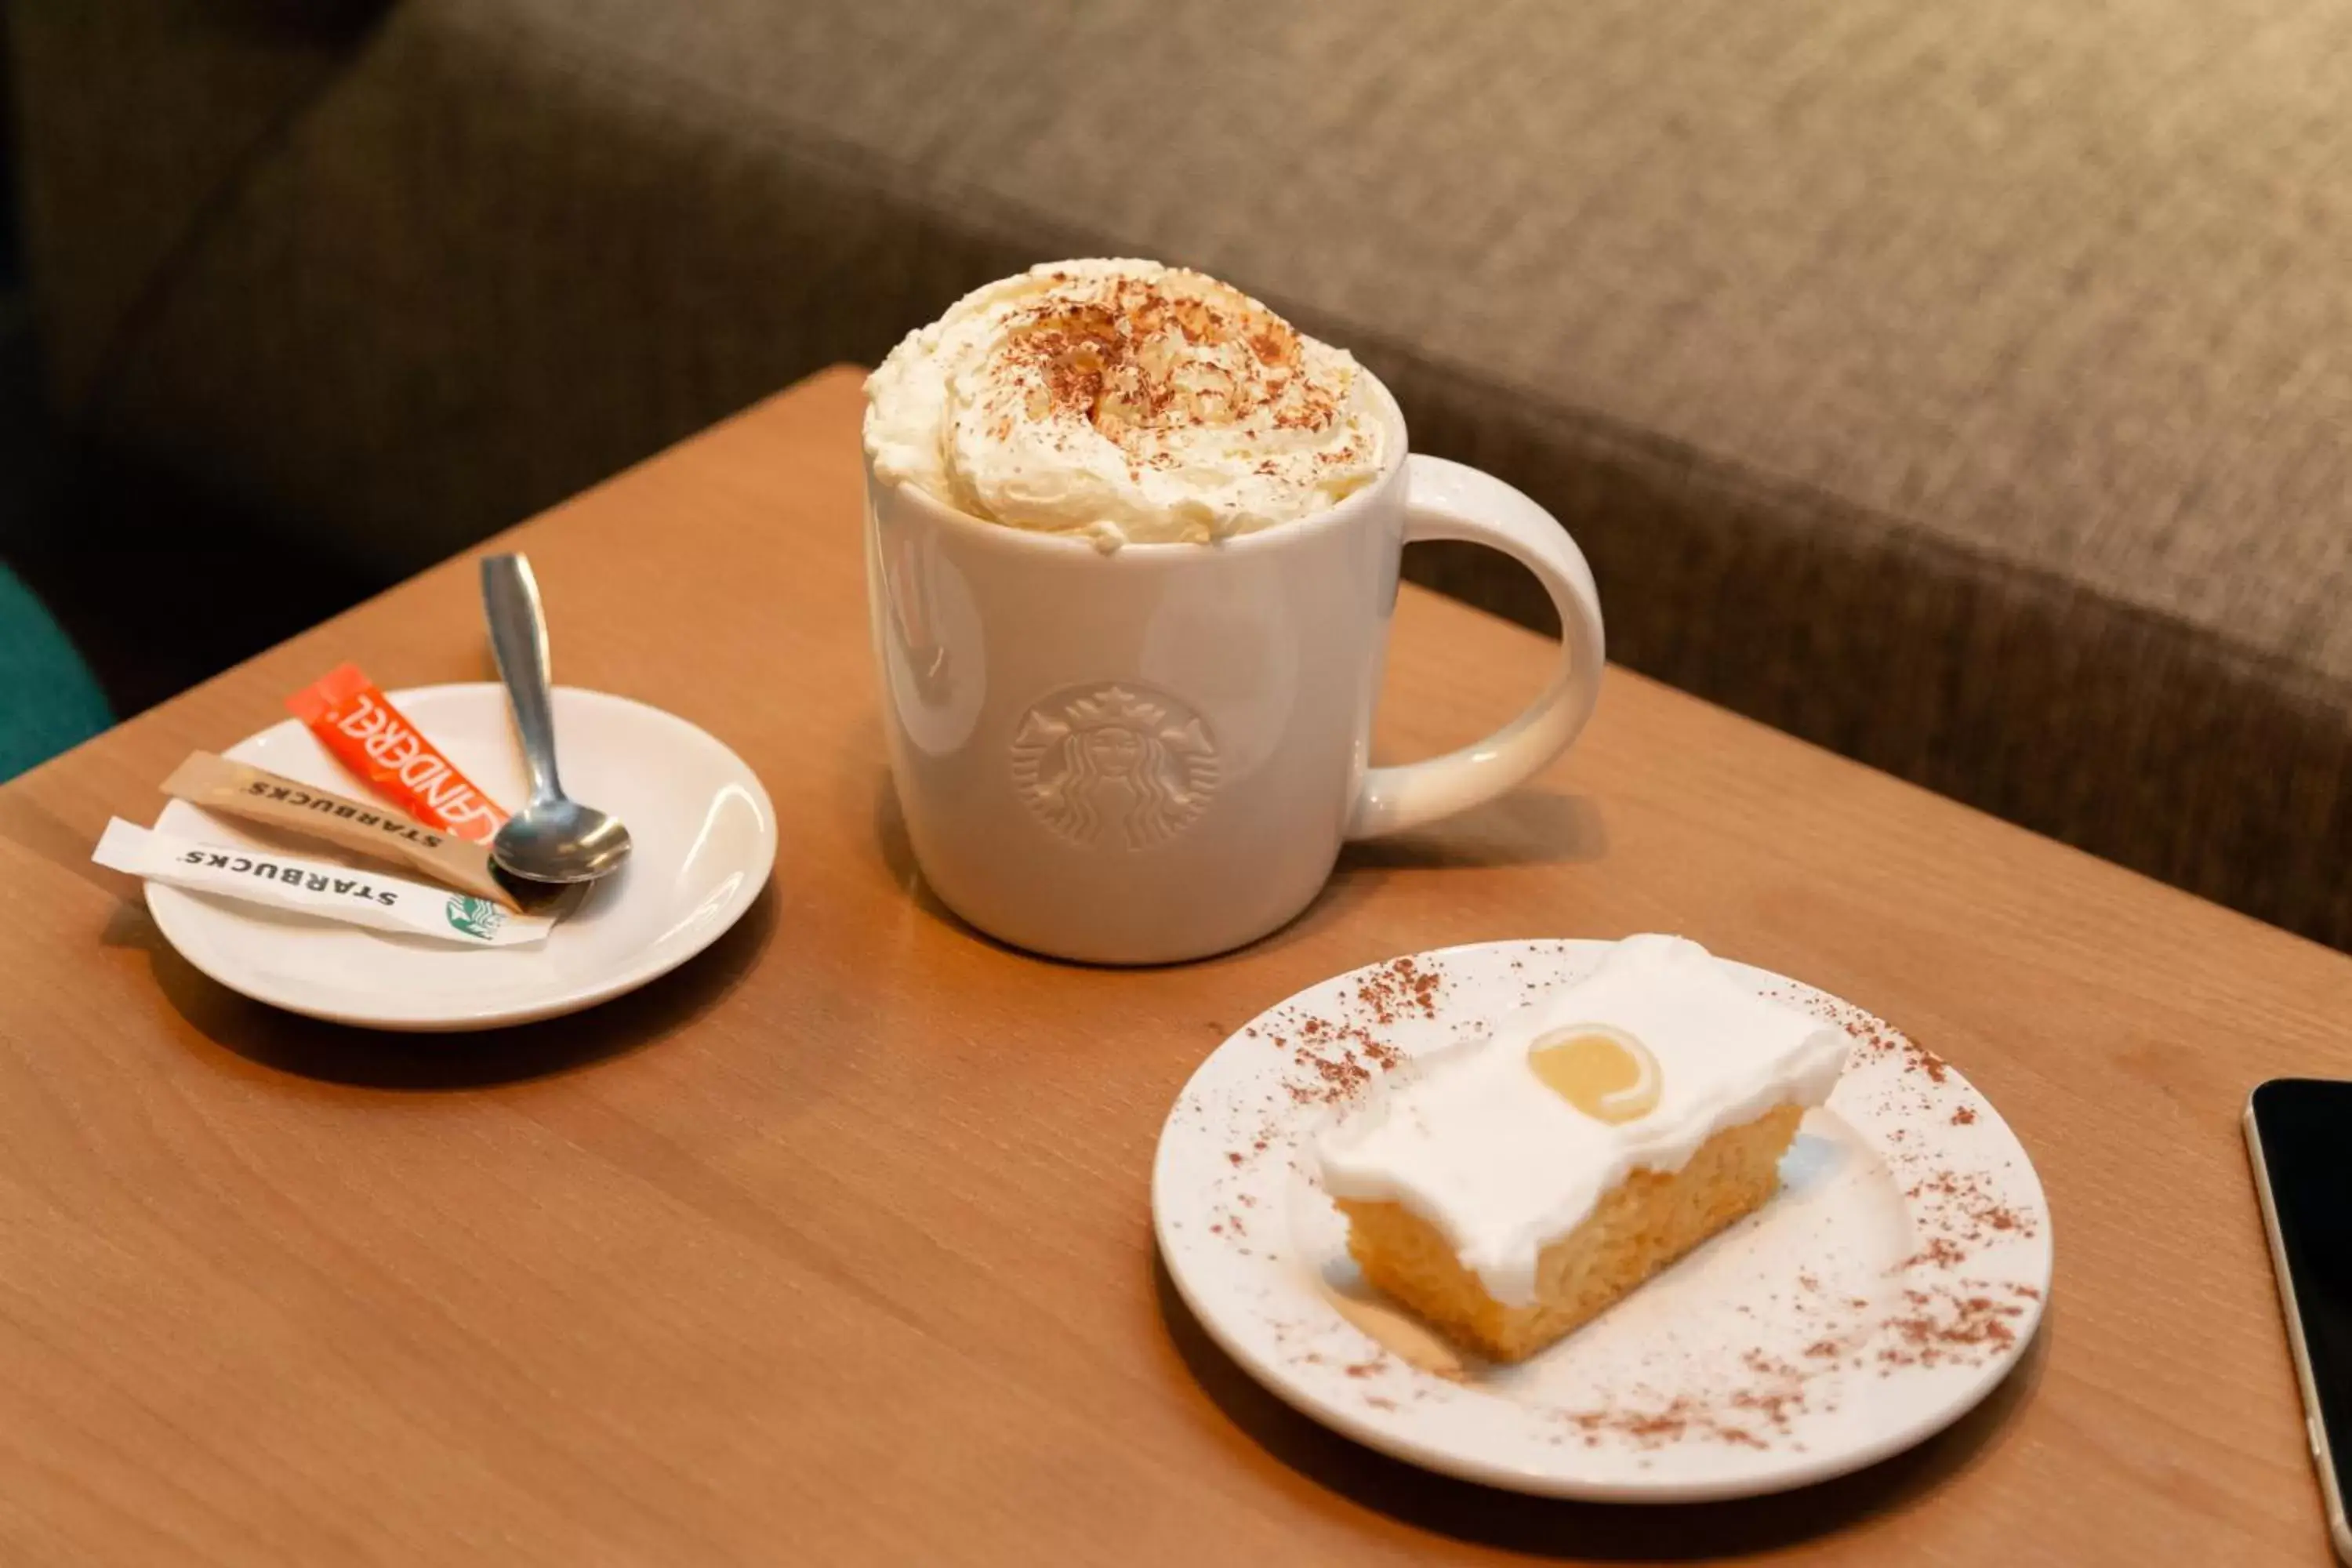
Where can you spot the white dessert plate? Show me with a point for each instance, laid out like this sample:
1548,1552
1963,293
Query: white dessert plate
1895,1279
704,836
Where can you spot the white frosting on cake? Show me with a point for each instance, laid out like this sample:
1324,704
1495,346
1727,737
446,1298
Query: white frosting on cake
1477,1145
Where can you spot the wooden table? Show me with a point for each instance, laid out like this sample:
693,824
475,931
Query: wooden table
834,1247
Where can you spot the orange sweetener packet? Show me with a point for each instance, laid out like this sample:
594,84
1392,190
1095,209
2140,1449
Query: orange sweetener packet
368,735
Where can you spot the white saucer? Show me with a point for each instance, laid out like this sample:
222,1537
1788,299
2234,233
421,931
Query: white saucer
1896,1277
704,836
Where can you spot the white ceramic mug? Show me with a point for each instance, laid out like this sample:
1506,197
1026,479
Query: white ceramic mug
1155,754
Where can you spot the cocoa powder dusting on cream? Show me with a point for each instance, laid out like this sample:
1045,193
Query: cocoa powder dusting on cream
1140,358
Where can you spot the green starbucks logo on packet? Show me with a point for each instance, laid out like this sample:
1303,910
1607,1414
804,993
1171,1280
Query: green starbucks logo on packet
475,917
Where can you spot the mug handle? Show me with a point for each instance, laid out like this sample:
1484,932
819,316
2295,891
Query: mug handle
1451,500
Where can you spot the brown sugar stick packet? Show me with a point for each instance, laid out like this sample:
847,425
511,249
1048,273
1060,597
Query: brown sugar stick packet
240,789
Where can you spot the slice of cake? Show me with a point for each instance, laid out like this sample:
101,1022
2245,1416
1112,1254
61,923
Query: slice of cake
1515,1187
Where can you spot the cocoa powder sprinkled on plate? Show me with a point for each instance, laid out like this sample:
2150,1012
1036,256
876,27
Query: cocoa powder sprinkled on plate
1940,1251
1398,989
1340,1056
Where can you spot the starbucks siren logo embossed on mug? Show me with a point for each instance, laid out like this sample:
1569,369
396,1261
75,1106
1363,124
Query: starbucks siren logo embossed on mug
1119,763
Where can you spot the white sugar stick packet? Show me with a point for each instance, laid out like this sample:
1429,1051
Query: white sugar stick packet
317,888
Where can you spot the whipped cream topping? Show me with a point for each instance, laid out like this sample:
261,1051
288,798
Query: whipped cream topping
1482,1147
1125,401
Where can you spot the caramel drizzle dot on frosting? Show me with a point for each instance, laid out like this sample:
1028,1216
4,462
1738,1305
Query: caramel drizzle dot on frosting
1605,1073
